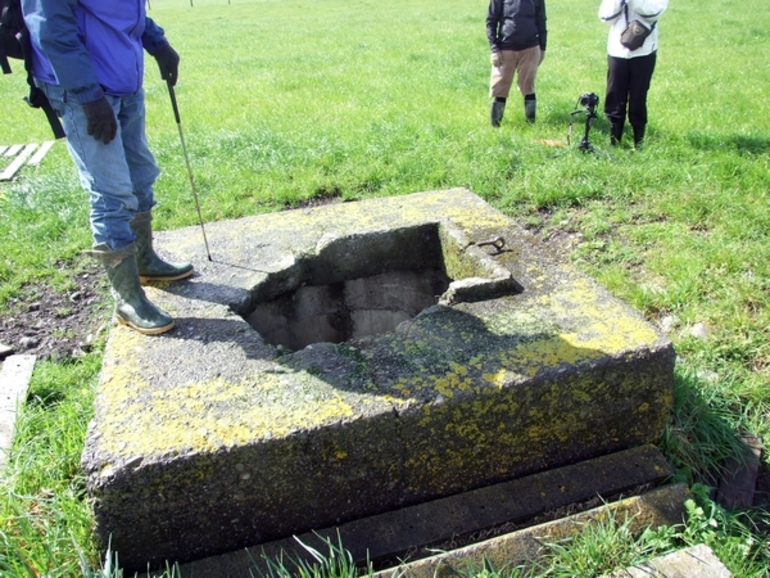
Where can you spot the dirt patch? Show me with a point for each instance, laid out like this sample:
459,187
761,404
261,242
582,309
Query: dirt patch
322,196
57,324
561,238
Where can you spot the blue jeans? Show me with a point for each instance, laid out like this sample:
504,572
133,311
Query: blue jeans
118,176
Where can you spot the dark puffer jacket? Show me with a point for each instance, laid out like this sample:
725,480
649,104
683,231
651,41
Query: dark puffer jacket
516,24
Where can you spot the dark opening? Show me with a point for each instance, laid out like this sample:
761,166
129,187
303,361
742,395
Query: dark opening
341,311
360,285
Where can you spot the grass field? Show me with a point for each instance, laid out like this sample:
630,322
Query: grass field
283,102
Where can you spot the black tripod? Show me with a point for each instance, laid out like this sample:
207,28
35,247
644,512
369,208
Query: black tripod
589,101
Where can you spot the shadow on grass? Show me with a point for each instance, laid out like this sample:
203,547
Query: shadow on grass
741,143
703,445
699,438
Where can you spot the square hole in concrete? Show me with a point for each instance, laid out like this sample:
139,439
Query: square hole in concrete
360,285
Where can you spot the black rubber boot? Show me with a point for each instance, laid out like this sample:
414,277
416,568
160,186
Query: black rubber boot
150,266
638,137
496,112
616,134
530,108
132,308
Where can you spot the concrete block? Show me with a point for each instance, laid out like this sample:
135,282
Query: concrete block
208,438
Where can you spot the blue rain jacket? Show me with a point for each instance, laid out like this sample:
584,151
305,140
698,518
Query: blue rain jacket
91,47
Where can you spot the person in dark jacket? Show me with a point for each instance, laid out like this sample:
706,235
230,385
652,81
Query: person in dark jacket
517,37
88,59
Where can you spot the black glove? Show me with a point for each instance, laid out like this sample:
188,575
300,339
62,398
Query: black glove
168,61
101,120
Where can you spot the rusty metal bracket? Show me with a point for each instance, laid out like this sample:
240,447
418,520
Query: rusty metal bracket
498,243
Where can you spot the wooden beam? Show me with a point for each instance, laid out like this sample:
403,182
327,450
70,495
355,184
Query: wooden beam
11,170
41,152
12,150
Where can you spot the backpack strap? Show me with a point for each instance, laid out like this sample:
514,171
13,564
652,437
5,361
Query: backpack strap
625,11
37,98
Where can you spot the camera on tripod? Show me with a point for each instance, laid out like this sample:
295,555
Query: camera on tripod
589,100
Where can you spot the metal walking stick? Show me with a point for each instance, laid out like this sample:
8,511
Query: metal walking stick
187,162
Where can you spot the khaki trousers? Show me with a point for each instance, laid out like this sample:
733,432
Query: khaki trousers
524,64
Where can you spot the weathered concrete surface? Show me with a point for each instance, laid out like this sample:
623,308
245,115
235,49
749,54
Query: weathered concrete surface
207,439
660,507
418,531
693,562
14,383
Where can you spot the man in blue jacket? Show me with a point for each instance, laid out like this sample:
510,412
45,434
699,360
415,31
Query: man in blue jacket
517,35
88,59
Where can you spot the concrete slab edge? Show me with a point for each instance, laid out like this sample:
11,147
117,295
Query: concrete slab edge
662,506
14,383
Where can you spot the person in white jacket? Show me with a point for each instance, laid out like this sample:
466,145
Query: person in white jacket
629,72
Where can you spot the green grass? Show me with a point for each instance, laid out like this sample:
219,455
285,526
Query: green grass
282,102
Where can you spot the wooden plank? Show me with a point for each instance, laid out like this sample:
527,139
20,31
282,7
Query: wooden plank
12,150
2,149
41,152
698,560
17,163
14,384
736,489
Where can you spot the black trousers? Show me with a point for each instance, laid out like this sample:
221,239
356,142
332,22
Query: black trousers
628,81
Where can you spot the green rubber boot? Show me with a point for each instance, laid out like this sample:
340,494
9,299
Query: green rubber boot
151,267
132,308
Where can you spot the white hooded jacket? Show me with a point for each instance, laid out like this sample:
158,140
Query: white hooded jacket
647,12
